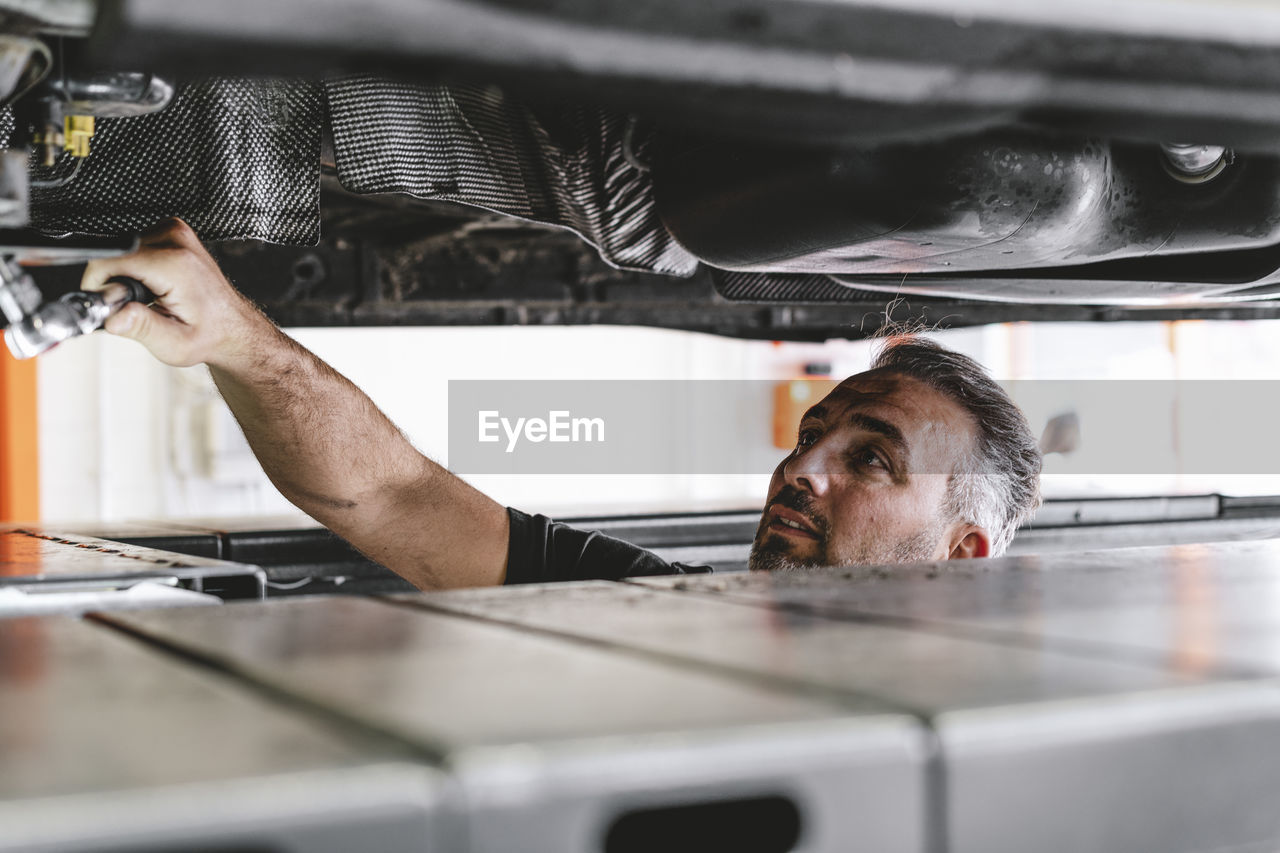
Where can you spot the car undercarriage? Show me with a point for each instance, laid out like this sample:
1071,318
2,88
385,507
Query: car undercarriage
738,168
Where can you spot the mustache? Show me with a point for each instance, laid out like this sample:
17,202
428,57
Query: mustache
798,501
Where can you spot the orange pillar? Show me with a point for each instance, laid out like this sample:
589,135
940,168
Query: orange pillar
19,447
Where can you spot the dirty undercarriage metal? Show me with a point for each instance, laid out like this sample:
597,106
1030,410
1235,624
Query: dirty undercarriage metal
815,162
522,276
783,215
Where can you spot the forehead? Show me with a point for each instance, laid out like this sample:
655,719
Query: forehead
931,423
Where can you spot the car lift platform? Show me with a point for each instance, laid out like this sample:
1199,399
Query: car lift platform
1124,700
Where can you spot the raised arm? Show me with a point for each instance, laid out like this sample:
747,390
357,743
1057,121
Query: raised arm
320,439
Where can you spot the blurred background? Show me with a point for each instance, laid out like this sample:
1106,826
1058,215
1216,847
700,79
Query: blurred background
123,437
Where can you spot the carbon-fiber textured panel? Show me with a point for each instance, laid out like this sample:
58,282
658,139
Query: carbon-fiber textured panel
234,158
473,145
778,287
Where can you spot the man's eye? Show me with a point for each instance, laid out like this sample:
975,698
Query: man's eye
870,459
806,438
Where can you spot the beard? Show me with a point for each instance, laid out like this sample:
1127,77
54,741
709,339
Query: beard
772,552
766,559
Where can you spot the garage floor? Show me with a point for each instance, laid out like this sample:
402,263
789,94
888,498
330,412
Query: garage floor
1122,700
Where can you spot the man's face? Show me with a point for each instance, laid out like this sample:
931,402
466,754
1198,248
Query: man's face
867,481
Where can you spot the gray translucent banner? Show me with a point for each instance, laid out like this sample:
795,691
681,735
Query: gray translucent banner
726,427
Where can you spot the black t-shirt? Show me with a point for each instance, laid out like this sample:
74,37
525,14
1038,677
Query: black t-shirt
541,550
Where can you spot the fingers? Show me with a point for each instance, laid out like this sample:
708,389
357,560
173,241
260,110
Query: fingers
171,232
159,269
163,253
198,316
126,323
169,340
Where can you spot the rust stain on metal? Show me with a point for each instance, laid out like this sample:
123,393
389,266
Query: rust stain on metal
89,546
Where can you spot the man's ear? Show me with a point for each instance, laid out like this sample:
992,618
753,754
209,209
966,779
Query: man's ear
970,541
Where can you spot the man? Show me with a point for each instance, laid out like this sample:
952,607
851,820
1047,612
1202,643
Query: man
921,458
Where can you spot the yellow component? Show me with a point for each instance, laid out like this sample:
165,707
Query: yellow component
78,130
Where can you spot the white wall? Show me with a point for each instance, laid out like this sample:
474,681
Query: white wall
124,437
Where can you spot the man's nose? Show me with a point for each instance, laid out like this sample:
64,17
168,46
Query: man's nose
809,469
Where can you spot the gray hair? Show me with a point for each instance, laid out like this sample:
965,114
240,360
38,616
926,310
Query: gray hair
997,486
